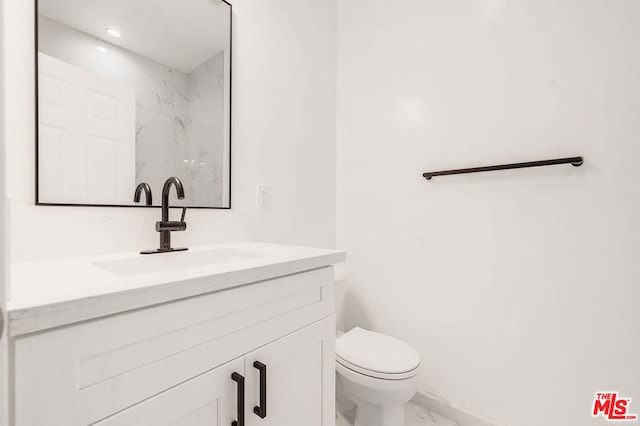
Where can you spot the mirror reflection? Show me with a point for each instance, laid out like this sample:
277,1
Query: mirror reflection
132,92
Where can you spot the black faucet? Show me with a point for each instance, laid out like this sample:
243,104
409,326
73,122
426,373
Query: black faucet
147,193
165,226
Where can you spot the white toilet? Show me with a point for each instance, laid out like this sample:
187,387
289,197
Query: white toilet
376,373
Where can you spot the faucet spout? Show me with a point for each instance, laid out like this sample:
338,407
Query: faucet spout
165,195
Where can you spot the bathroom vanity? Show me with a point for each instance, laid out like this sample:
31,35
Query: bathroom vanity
238,334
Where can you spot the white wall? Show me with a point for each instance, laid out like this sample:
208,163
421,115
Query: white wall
284,55
520,288
4,371
284,116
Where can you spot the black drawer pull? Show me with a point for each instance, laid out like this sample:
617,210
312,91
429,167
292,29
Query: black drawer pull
240,381
261,411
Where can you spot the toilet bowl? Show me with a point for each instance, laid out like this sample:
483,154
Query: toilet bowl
377,374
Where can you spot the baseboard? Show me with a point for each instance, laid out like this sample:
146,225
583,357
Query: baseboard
460,415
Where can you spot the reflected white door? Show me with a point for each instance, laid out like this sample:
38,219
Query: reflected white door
86,136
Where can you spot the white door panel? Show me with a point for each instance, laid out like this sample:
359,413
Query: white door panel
86,136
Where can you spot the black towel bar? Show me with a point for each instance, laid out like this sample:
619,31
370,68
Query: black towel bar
574,161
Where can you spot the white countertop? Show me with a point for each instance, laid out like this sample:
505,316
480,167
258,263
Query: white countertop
51,293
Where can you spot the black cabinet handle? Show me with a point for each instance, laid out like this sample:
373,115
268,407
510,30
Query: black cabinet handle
240,381
261,411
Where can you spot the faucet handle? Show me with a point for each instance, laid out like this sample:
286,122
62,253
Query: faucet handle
171,226
184,212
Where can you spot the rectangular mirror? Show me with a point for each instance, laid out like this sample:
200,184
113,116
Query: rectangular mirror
132,92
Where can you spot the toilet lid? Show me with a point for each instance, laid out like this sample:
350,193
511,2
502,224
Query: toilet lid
376,352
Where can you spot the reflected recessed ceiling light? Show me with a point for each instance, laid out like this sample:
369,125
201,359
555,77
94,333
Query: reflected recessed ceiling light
102,49
114,33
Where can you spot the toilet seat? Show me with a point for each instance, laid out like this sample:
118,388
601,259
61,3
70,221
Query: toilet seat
376,374
376,355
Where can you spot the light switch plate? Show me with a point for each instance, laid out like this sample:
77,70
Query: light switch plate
263,197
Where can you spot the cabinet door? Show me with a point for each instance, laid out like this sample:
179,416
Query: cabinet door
300,379
207,400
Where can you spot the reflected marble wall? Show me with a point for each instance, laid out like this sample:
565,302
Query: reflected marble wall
205,132
161,135
179,116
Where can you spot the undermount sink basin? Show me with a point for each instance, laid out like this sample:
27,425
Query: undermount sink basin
148,264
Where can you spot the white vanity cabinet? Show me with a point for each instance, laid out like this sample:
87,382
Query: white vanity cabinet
172,364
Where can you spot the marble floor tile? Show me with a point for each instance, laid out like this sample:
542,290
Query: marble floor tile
415,416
